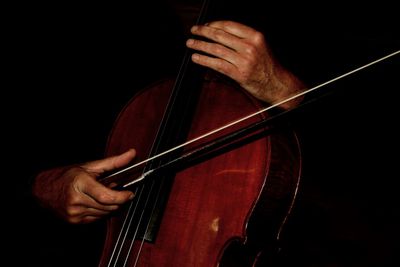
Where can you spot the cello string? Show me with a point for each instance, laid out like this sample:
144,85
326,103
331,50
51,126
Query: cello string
250,116
118,244
147,227
125,229
295,96
229,125
160,132
177,87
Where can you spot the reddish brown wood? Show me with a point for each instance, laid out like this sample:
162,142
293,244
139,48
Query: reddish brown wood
219,210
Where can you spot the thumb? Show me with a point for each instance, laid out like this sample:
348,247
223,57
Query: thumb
110,163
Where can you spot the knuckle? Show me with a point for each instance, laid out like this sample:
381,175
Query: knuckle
71,212
217,34
73,199
250,50
219,66
217,50
227,23
258,38
195,43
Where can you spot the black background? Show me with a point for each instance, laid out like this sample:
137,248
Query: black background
70,68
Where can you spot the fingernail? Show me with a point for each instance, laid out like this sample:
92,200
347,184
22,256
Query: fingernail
195,57
189,42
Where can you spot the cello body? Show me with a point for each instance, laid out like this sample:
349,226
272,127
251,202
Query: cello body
228,209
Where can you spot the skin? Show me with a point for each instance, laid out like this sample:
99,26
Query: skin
235,50
74,194
241,53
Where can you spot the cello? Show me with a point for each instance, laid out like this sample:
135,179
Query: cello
224,207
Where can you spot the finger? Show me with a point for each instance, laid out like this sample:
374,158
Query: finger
234,28
88,202
102,197
95,212
110,163
216,64
233,35
88,208
218,36
215,50
83,219
75,213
